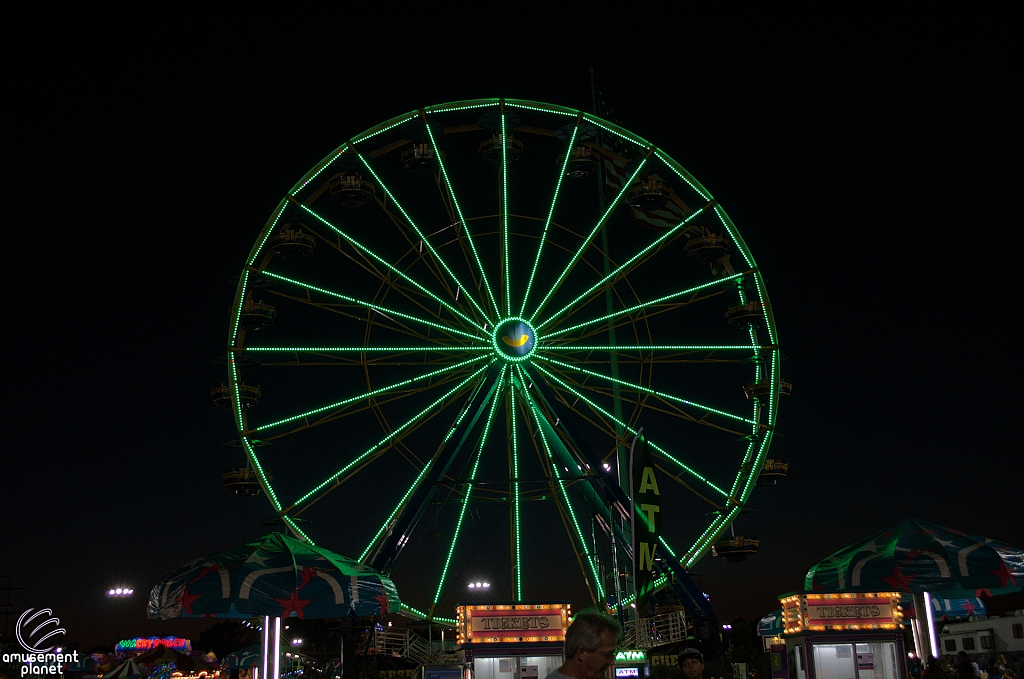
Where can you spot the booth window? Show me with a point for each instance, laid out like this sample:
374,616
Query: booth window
986,642
950,645
968,643
1018,631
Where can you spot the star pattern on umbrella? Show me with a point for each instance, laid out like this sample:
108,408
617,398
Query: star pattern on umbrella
308,574
207,569
898,580
185,600
382,598
1003,573
293,604
969,607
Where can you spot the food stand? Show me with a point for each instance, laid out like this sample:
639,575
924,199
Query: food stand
843,635
511,640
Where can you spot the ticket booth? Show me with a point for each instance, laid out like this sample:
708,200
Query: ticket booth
847,635
511,640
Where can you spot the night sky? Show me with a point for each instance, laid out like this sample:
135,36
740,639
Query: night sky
869,171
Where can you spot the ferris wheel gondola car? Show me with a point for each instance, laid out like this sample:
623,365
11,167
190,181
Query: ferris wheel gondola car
243,481
293,243
736,548
248,395
419,160
350,189
772,472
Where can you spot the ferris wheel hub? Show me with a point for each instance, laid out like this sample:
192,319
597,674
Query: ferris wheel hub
514,339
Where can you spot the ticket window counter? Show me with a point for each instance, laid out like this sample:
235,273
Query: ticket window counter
516,667
812,657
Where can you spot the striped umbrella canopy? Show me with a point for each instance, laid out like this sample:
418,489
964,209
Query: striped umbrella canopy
126,670
162,655
276,575
915,556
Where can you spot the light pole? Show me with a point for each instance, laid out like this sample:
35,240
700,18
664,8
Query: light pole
120,593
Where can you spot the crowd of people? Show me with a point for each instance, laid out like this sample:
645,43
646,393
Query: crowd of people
962,667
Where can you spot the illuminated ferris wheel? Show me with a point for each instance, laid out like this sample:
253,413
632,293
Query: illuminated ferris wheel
450,330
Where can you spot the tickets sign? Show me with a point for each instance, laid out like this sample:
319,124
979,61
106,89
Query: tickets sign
511,623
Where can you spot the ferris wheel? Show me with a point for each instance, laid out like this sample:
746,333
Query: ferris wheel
449,332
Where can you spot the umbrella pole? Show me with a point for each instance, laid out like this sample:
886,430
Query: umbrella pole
271,648
926,622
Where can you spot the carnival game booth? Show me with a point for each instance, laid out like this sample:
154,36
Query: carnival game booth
511,640
843,635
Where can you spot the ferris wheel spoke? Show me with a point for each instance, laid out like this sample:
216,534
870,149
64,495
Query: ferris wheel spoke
517,555
640,307
562,492
367,395
506,274
380,260
393,517
627,266
462,219
423,238
547,221
387,439
664,453
645,390
469,486
586,241
370,305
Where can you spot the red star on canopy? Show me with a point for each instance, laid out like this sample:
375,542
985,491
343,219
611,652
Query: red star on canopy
898,580
383,599
969,607
1003,574
205,571
308,574
186,599
293,603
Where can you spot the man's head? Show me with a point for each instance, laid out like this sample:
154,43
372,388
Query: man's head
590,644
961,656
691,661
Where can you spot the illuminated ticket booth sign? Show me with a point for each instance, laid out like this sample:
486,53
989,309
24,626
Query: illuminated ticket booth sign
630,664
149,643
846,634
512,640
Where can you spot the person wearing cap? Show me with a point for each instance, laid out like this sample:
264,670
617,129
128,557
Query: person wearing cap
691,661
589,647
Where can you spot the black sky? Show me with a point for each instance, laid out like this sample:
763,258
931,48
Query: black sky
869,167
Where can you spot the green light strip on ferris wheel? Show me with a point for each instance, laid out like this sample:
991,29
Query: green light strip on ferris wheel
249,452
423,615
664,453
430,463
547,222
462,220
390,436
369,305
586,241
694,184
423,238
370,350
270,229
649,347
393,269
366,395
515,488
638,307
469,486
612,274
294,526
561,485
238,309
645,390
731,228
504,215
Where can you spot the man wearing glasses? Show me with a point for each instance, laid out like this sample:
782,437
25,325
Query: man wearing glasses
589,647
